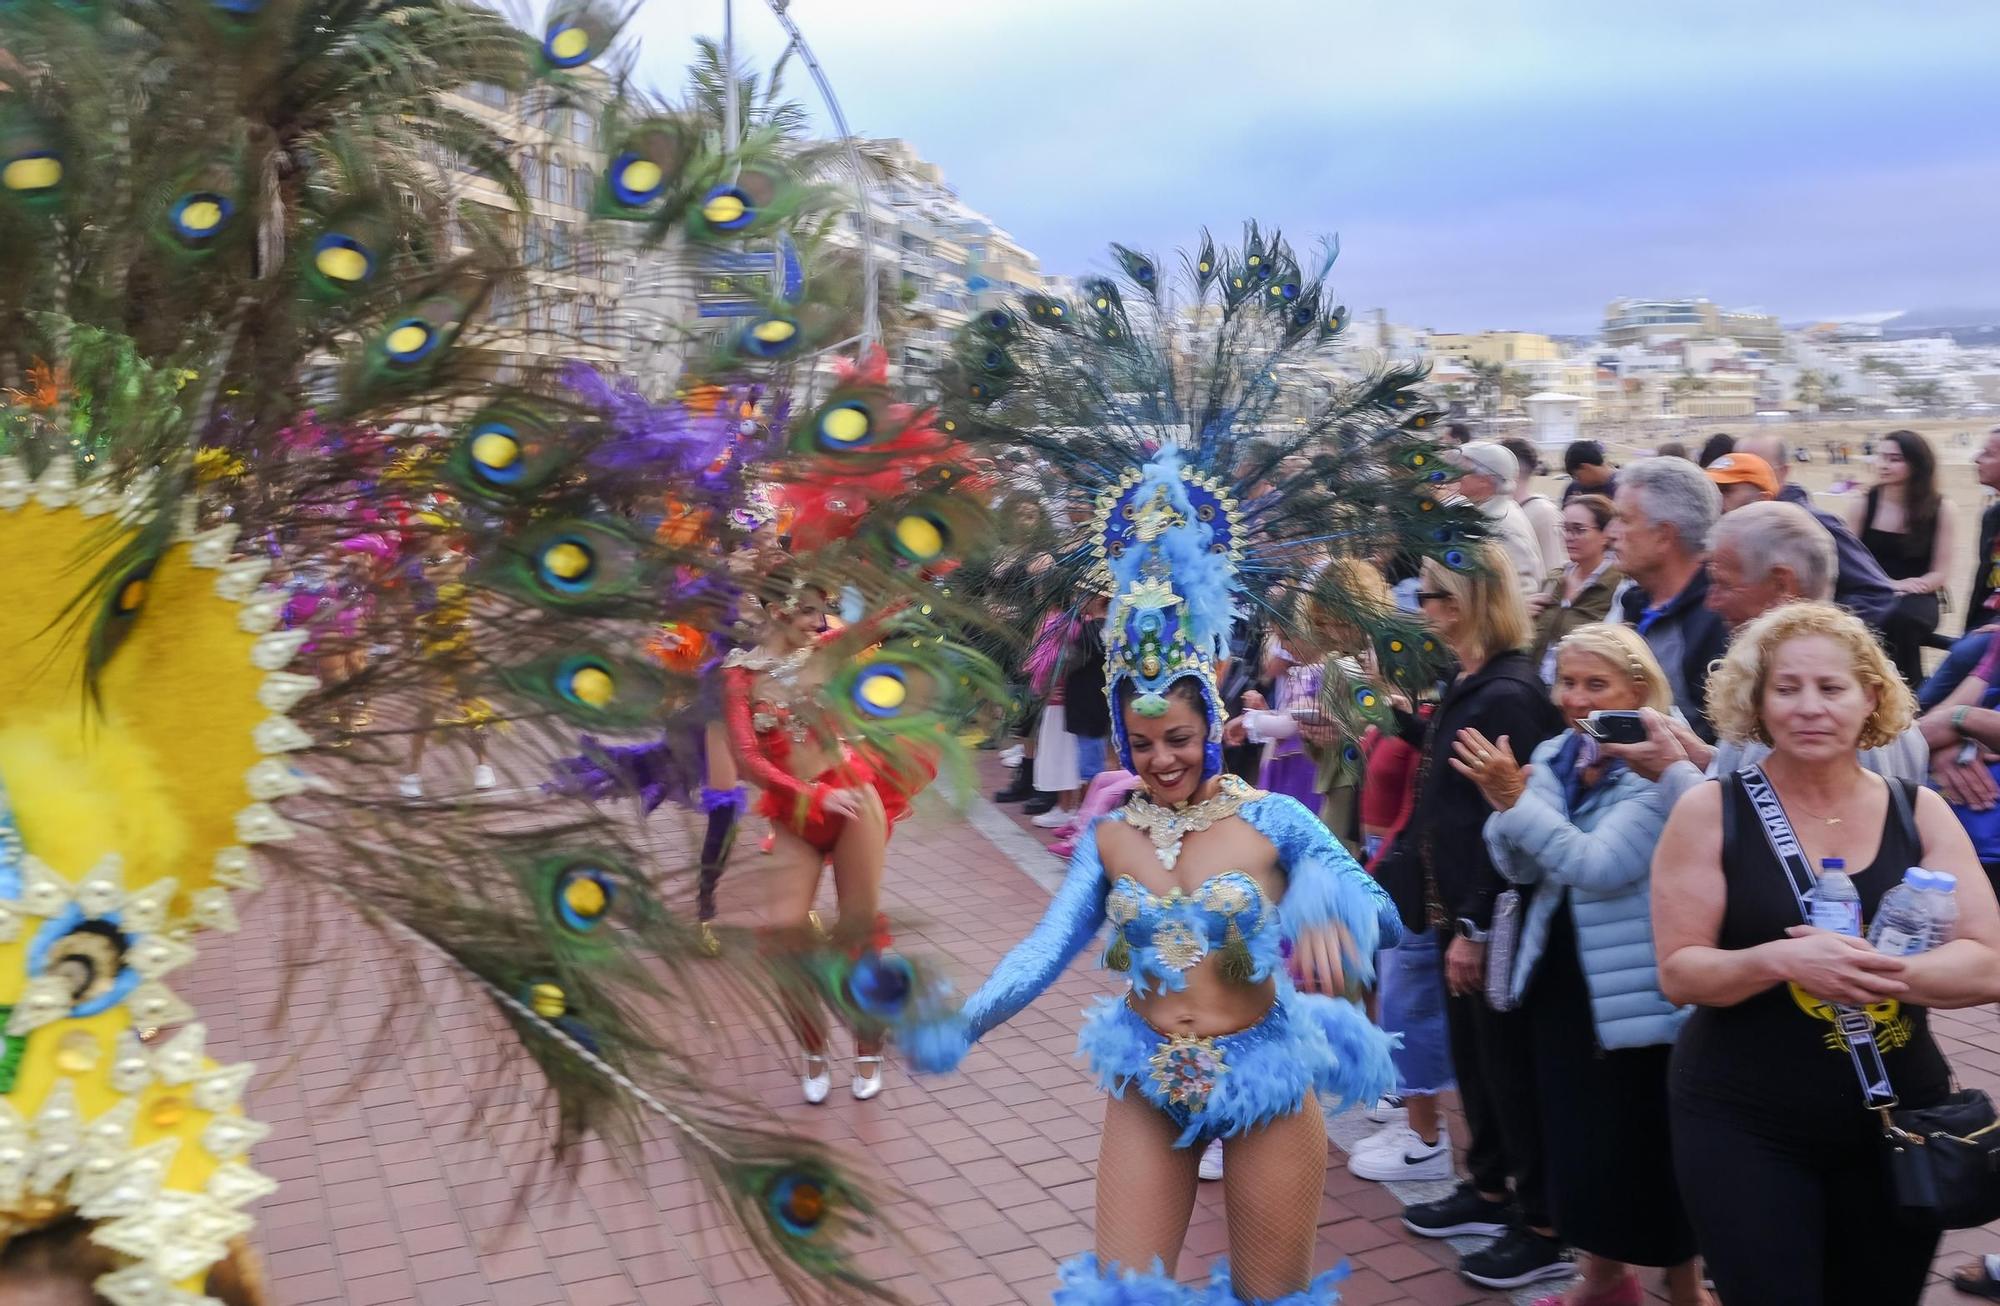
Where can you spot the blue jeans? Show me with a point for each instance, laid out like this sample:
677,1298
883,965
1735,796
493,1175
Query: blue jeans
1091,752
1957,665
1412,1004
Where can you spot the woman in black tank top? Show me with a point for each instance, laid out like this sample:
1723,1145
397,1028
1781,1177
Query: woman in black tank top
1908,526
1778,1159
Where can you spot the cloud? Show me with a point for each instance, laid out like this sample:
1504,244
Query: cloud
1486,164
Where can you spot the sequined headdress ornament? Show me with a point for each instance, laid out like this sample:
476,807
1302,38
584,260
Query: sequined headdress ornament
1167,539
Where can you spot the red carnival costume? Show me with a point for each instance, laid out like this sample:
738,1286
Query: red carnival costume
766,722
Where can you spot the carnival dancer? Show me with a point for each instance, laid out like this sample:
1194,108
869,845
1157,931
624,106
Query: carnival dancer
1191,497
441,612
830,802
1201,876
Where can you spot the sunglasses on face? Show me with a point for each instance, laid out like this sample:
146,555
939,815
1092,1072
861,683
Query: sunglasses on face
1433,596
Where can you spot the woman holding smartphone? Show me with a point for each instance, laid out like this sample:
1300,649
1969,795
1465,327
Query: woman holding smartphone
1576,831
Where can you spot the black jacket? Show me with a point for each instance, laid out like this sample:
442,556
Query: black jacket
1976,614
1444,840
1246,663
1859,583
1086,711
1688,639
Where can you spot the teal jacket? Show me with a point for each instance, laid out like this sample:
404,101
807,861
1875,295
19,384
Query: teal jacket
1601,856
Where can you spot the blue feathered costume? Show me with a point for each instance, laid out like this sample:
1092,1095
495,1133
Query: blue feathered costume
1205,473
1169,555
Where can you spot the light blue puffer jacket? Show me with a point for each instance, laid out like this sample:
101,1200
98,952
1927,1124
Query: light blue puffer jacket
1601,856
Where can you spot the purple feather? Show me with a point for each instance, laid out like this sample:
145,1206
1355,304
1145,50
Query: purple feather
665,438
654,773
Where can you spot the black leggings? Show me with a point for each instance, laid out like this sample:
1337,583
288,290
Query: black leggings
1785,1221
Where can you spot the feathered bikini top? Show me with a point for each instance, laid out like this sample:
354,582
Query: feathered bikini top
1158,938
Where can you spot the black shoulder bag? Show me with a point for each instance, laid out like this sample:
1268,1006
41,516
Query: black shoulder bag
1943,1160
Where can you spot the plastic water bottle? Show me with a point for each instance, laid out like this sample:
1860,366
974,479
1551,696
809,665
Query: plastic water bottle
1836,903
1902,923
1943,896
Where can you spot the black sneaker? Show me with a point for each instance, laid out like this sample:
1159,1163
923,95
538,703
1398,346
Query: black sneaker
1040,803
1464,1212
1516,1258
1018,790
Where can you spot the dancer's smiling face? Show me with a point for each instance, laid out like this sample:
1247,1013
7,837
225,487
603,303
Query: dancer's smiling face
1167,750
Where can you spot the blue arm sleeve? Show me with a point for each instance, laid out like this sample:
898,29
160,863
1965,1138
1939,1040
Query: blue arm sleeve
1323,884
1065,930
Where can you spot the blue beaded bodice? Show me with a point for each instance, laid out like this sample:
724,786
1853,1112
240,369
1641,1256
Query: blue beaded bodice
1323,885
1167,935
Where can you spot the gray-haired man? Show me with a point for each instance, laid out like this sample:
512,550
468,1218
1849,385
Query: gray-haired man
1760,556
1666,508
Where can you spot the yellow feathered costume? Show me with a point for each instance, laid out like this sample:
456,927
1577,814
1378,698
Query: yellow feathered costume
132,809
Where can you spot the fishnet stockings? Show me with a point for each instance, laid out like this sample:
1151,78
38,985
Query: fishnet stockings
1272,1181
1145,1186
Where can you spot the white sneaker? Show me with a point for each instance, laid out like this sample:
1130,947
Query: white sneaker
868,1085
1387,1107
483,777
1413,1159
412,786
1053,819
1389,1135
1211,1161
817,1082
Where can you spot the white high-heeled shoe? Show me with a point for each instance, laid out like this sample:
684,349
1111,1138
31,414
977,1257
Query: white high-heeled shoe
868,1085
818,1080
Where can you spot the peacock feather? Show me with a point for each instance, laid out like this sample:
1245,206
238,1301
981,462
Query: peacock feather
1294,454
274,513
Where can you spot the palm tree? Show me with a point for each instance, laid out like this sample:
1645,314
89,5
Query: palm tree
1486,385
760,107
336,103
1515,386
1810,389
1924,394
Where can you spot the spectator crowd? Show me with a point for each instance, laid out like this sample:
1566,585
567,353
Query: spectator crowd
1605,953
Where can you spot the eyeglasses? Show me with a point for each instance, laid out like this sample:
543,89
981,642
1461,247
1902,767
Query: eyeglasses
1572,530
1426,596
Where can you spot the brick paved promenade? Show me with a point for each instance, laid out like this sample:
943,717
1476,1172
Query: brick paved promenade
403,1190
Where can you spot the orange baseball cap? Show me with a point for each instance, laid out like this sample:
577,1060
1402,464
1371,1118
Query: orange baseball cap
1744,469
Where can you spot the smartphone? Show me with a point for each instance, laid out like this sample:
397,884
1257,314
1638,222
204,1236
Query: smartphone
1615,727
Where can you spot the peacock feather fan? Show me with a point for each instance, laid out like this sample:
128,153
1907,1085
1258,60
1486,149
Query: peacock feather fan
254,440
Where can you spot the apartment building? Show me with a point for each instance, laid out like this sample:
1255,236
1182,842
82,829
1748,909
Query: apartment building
1641,321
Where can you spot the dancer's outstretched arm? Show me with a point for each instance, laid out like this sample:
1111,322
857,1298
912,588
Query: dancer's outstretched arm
1067,927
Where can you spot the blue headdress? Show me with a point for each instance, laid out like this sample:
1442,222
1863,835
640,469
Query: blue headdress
1222,457
1167,538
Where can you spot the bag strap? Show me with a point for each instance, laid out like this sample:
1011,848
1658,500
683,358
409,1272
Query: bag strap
1906,819
1856,1029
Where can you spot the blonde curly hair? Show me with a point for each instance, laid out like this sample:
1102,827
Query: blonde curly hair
1736,686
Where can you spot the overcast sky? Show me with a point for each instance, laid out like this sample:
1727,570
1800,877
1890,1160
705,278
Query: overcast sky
1512,163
